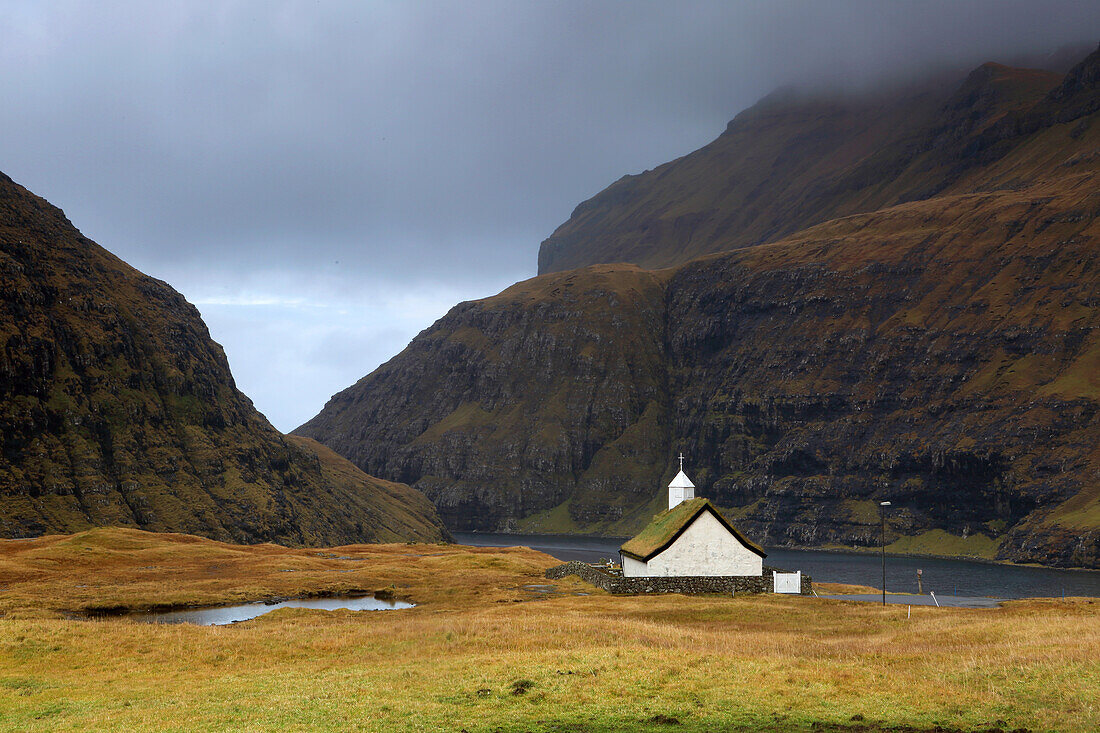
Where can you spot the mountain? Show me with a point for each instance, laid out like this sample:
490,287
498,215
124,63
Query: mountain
117,408
913,316
553,391
792,161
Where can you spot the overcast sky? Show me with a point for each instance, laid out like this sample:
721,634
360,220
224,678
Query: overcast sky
325,179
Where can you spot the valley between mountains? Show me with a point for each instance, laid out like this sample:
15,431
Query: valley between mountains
891,295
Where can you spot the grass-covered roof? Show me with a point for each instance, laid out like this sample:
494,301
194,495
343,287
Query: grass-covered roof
670,524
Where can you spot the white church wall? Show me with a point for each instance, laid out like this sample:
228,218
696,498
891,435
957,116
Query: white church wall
705,548
634,568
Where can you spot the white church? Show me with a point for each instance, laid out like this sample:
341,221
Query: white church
690,538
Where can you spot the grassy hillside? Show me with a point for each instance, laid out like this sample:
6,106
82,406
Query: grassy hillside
117,408
506,405
484,652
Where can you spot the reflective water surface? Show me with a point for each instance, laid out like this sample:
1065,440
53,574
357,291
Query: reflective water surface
943,577
231,614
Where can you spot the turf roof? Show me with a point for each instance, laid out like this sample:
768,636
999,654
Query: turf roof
670,524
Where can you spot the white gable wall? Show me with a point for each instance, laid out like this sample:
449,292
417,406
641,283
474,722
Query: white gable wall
633,568
705,548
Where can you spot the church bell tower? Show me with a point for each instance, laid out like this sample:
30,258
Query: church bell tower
681,488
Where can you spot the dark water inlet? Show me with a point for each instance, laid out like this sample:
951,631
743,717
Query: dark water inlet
221,615
942,576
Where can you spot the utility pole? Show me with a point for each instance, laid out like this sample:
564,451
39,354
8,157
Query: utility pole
882,513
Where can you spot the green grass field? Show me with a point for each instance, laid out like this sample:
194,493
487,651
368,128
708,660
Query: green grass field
483,653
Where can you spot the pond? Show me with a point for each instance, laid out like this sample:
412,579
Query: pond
221,615
942,576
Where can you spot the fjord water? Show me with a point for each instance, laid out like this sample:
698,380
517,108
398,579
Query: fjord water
232,614
941,576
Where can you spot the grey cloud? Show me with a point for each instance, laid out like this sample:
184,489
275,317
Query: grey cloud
418,143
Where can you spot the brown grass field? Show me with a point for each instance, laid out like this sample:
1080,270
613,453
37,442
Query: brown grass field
481,652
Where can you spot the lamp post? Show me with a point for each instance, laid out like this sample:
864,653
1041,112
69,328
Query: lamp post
882,513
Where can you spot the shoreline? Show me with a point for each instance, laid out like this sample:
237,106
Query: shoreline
831,550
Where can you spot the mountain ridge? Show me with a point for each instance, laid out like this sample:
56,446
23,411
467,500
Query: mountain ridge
942,351
117,408
794,160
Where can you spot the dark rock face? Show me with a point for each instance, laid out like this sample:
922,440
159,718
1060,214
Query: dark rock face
116,408
805,381
811,392
942,352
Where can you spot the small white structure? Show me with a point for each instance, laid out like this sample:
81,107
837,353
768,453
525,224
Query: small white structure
681,488
787,582
690,538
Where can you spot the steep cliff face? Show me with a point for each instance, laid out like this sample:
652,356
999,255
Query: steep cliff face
942,352
944,355
552,393
792,161
116,408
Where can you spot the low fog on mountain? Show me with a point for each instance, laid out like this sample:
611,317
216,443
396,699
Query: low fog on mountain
325,180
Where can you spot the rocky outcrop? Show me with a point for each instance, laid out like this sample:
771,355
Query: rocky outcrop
924,354
116,408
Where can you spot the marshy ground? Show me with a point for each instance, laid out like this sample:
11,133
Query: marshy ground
492,646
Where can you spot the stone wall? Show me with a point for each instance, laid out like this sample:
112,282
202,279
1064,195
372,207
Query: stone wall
612,581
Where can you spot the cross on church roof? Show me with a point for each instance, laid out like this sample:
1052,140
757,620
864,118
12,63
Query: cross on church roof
681,461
